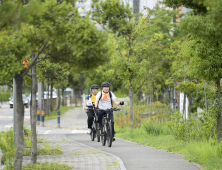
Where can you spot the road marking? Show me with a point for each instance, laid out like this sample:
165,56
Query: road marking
11,117
9,126
79,131
47,132
5,113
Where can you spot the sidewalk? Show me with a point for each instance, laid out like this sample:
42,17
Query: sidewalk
81,156
67,121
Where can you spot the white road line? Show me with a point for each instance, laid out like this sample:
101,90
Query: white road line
9,126
11,117
47,132
79,131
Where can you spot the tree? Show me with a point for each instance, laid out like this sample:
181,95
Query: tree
203,47
60,34
129,48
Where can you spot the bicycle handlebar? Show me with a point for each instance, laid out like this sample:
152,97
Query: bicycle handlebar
108,110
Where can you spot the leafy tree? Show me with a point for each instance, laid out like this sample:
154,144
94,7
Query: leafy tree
60,34
203,47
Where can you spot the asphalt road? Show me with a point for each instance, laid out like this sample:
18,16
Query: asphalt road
6,117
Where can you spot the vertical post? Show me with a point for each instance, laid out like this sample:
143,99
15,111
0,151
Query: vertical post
58,118
38,116
14,111
43,116
40,96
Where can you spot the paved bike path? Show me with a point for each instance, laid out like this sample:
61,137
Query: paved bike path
135,156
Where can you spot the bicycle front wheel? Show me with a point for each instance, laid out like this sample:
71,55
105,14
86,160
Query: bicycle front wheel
103,136
109,135
93,134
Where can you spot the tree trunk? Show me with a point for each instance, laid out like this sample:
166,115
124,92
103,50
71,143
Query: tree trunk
111,86
163,99
131,108
184,105
169,93
19,123
147,100
47,110
173,99
63,96
189,106
205,96
218,112
58,98
33,116
140,95
157,97
51,99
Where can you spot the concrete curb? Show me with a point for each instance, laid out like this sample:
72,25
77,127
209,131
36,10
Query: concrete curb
121,164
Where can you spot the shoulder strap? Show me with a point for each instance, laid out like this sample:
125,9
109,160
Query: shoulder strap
110,95
100,97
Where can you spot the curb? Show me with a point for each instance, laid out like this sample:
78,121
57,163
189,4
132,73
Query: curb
121,164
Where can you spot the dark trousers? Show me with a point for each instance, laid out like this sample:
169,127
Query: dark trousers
90,114
100,116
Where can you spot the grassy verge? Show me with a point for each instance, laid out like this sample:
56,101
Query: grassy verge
46,166
208,153
53,115
9,150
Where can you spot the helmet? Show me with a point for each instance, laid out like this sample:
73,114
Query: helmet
105,84
94,86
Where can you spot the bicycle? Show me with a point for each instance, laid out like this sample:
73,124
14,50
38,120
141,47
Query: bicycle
95,130
106,129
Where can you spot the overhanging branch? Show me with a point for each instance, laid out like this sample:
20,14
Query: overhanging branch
25,70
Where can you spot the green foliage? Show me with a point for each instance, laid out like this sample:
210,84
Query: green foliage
8,148
155,127
5,96
201,129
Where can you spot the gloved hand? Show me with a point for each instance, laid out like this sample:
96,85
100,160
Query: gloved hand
96,108
121,103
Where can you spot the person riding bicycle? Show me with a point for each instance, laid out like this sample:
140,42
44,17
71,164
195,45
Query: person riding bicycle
104,101
90,102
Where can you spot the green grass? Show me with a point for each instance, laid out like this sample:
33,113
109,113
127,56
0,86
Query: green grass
208,153
53,115
47,150
46,166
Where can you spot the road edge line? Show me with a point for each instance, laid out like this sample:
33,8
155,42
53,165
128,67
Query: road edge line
121,164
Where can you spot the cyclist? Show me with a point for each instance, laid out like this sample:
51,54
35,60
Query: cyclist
105,100
90,102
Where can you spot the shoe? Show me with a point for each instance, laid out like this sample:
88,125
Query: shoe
114,139
89,131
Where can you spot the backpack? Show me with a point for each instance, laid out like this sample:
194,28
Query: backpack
110,95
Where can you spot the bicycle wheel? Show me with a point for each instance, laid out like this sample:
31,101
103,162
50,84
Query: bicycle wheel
98,135
93,134
103,136
109,134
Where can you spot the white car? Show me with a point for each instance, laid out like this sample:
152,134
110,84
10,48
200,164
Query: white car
24,98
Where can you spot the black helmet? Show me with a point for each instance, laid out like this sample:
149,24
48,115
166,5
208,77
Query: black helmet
94,86
105,84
